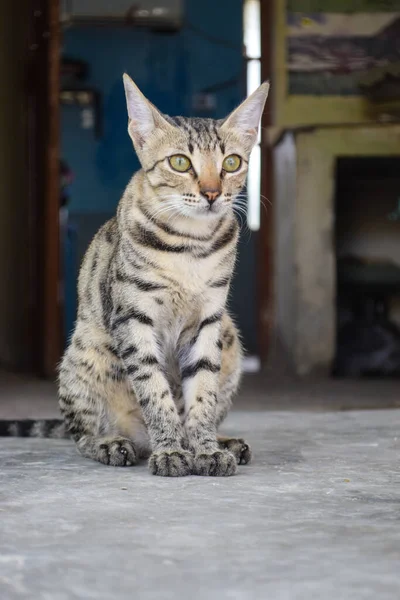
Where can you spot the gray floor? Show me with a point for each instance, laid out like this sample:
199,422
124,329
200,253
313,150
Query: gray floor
316,516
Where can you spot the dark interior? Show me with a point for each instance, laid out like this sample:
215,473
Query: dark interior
367,240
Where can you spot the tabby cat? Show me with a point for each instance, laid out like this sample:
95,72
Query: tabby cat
155,358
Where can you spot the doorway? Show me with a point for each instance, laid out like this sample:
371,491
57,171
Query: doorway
367,248
86,157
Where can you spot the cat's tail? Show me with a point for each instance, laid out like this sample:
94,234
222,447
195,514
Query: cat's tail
36,428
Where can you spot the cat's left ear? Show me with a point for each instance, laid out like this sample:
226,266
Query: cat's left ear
245,119
144,118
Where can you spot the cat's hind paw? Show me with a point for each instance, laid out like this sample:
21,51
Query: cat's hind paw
117,452
239,448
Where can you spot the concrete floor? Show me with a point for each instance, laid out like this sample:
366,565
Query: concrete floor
316,516
24,397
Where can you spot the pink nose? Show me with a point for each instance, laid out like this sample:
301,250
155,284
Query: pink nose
211,195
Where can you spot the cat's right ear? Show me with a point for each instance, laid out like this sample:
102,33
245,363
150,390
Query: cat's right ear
144,118
246,118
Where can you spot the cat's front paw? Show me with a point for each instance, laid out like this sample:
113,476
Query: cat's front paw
171,463
216,464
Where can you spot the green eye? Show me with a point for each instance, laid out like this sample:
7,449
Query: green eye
180,163
232,163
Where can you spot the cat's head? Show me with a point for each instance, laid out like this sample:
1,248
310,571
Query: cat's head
196,167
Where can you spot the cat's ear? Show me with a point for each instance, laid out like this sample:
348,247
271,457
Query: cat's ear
246,118
144,118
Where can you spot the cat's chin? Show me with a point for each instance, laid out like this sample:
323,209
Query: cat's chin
209,215
212,212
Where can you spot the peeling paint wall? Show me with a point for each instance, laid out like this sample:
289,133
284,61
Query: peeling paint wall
284,228
314,255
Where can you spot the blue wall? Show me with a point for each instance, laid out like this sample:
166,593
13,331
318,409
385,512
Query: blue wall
170,69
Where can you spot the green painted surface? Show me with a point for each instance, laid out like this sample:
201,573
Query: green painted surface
343,6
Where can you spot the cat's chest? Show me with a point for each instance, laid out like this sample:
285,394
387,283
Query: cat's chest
188,297
188,294
189,277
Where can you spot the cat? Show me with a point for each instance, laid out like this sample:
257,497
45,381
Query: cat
155,358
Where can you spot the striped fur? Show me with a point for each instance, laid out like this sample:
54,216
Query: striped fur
155,358
39,428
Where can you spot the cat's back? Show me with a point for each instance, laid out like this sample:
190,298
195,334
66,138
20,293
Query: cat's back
93,282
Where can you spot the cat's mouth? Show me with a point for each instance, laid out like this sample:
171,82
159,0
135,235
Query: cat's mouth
211,209
207,210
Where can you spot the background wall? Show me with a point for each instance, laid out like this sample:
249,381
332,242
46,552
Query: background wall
171,70
285,229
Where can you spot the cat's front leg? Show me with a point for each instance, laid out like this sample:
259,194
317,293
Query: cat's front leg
135,338
200,380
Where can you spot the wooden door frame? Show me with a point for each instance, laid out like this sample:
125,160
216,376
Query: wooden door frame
42,100
266,232
52,313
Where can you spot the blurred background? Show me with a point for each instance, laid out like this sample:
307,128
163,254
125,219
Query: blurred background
317,285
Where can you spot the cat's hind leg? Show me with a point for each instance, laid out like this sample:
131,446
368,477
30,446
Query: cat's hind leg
94,436
99,410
